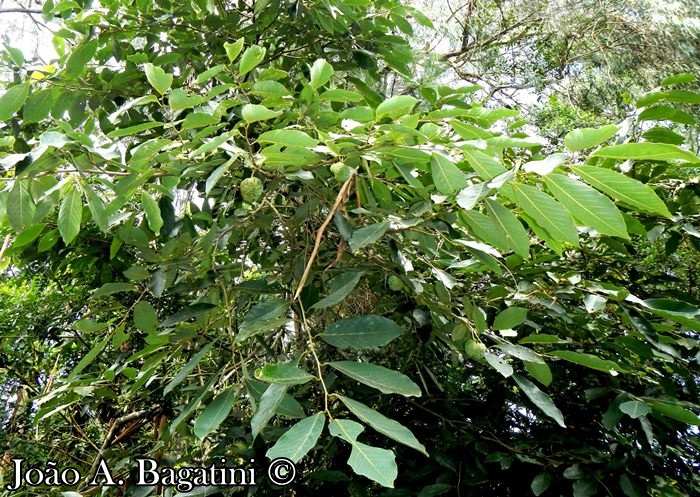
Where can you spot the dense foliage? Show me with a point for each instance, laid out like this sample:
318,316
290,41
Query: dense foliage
262,250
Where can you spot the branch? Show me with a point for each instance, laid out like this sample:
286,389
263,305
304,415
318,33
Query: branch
108,439
19,10
319,234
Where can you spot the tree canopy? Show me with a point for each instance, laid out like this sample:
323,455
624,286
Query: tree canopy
255,229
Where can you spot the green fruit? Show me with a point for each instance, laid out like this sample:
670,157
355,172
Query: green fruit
341,172
251,189
474,349
395,283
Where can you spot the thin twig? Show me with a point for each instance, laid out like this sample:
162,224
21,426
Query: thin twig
319,234
19,10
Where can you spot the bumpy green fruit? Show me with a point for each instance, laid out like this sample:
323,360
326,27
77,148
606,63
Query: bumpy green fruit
341,172
395,283
251,189
474,349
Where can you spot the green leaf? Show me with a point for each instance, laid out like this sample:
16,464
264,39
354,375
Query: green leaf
134,130
340,95
659,134
54,139
486,229
510,318
234,49
630,487
485,166
13,100
269,89
436,489
587,360
321,73
215,413
158,78
541,338
28,235
152,211
20,205
136,273
16,55
635,408
200,120
386,426
79,59
677,79
623,188
675,310
187,368
367,235
299,439
88,358
212,144
189,408
447,178
667,113
421,18
583,138
647,151
396,107
540,372
250,59
288,407
383,379
585,488
157,283
263,317
179,99
546,165
112,288
587,205
472,195
498,364
288,137
376,464
187,312
204,77
512,229
540,483
216,175
285,373
269,401
523,353
341,286
38,106
70,215
361,332
540,399
547,212
675,96
674,411
252,113
145,317
469,131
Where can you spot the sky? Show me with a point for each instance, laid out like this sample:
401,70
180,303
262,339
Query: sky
28,33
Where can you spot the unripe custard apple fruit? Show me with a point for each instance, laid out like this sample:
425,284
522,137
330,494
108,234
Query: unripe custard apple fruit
251,189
